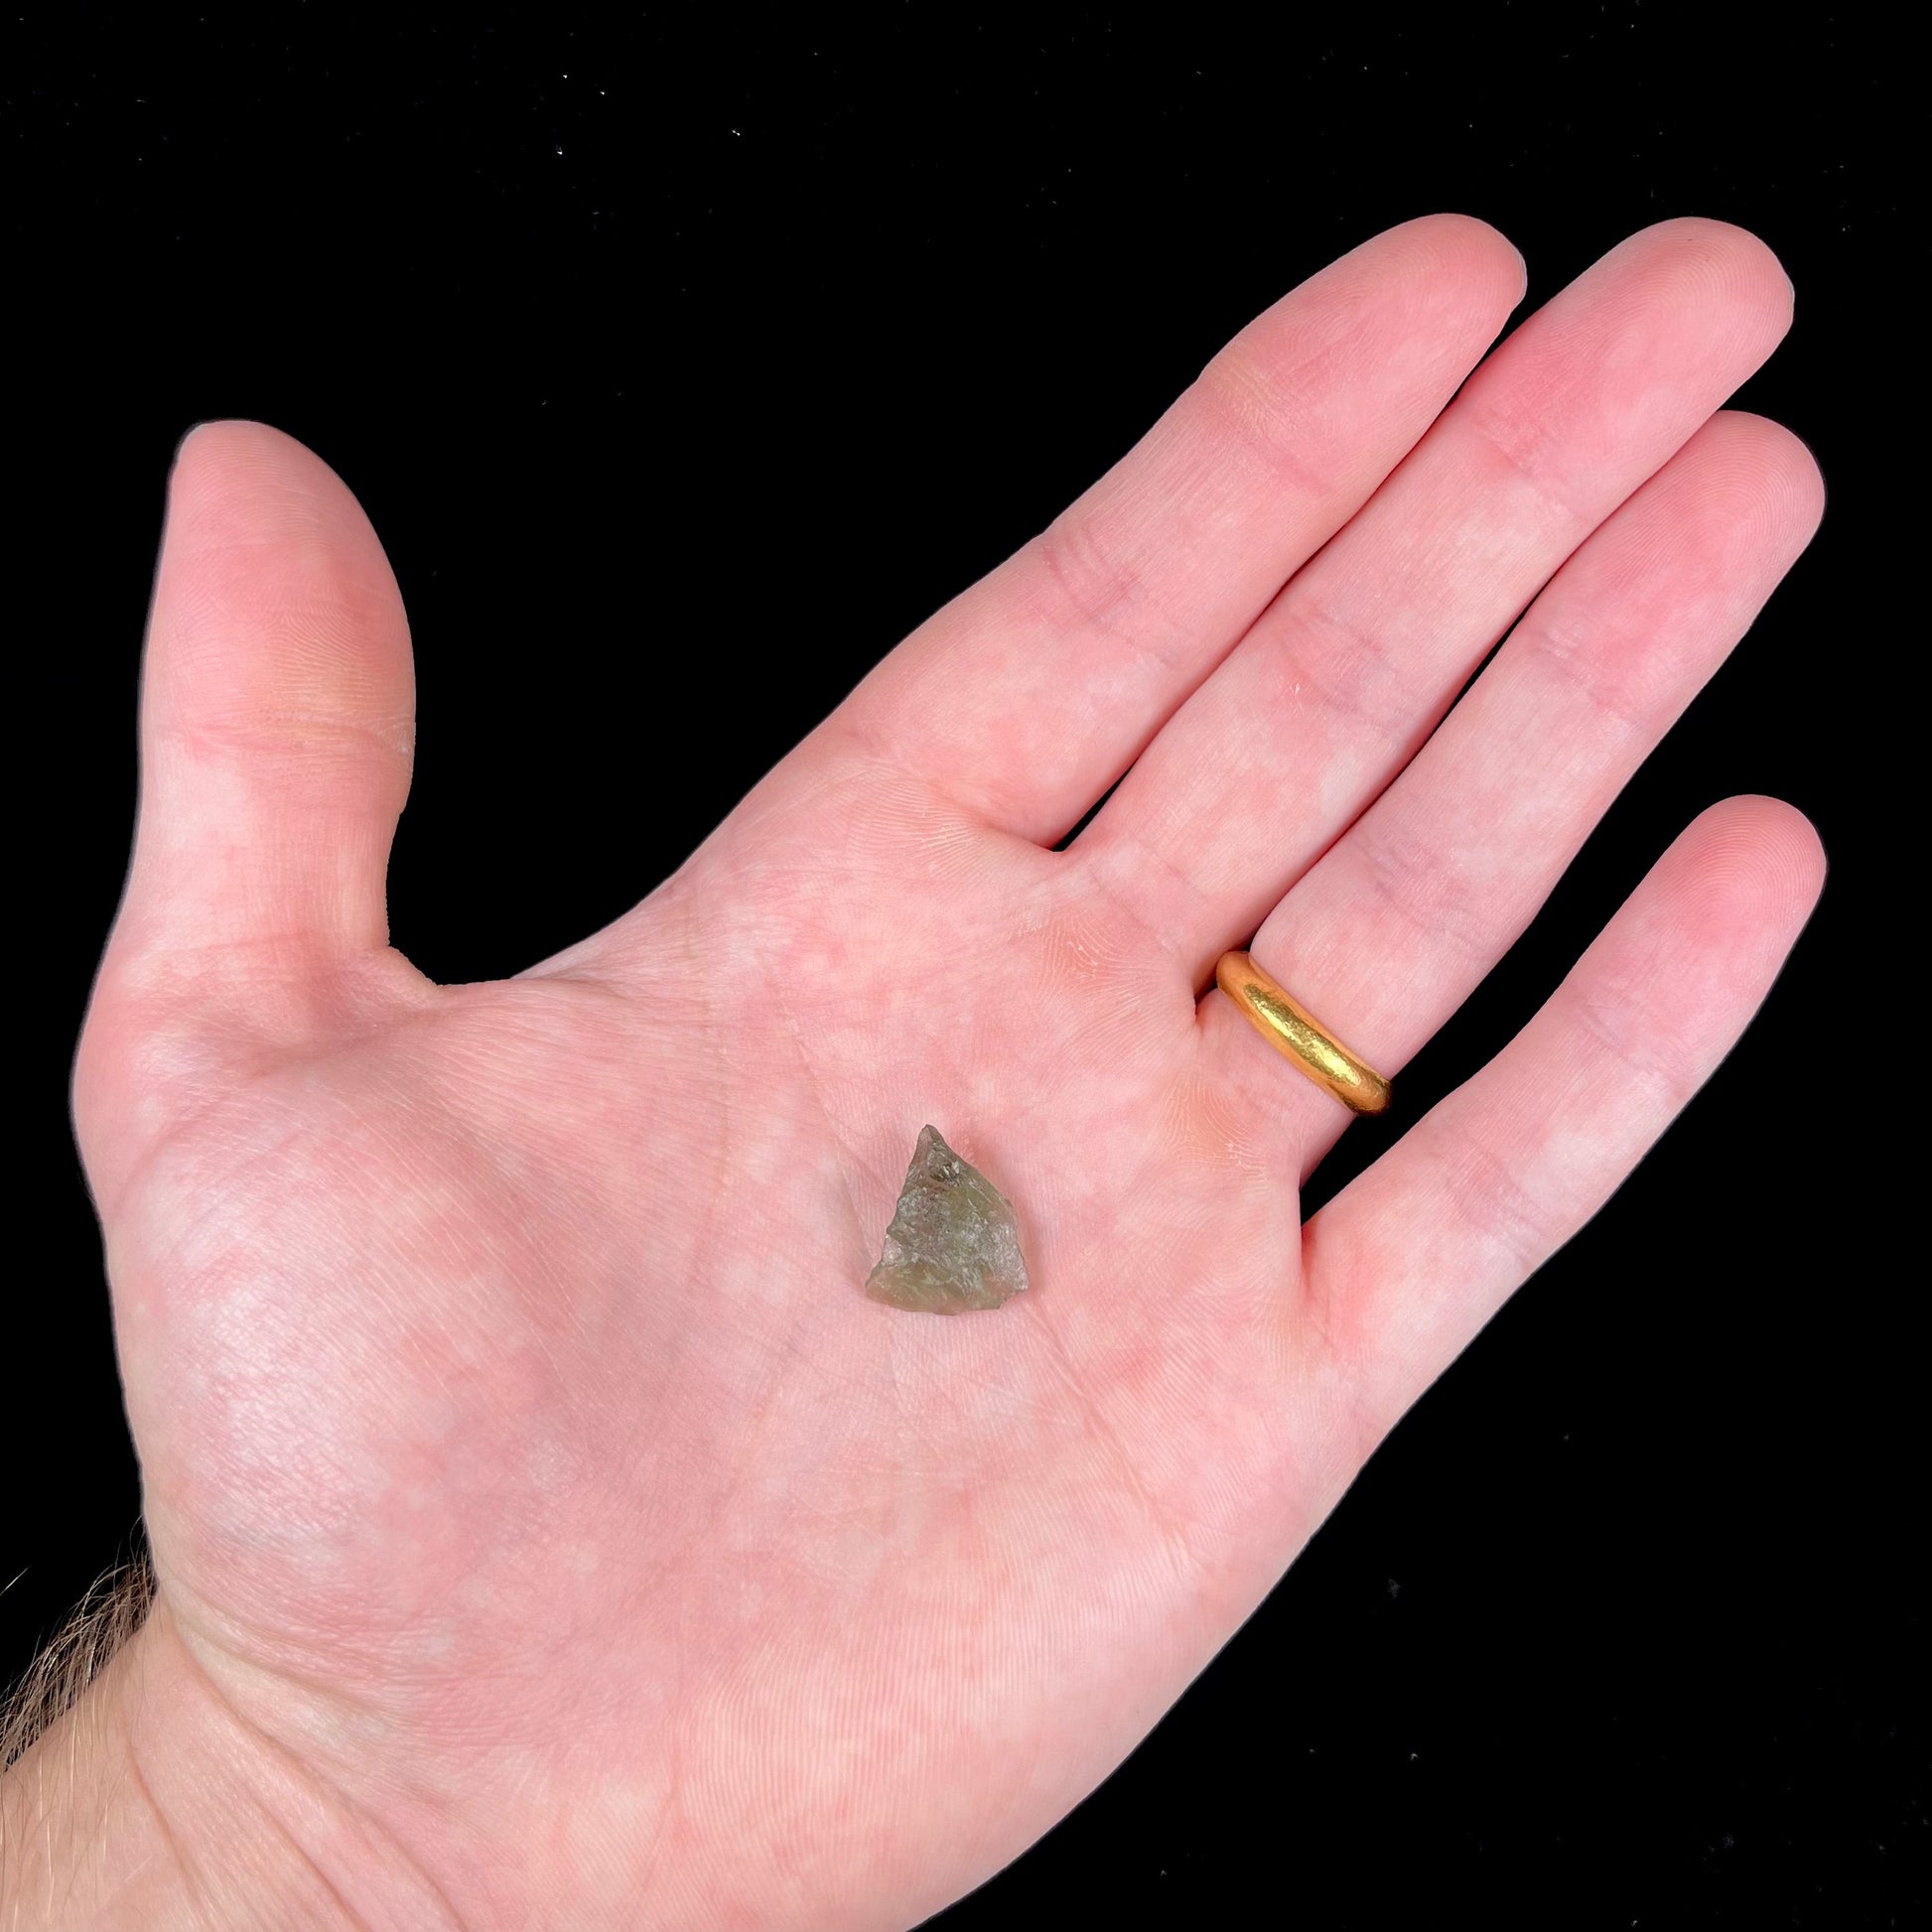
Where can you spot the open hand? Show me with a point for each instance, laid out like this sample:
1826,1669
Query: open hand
549,1532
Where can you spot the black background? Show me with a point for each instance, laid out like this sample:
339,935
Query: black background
684,364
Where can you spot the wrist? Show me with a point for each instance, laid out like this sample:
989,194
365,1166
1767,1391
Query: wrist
152,1805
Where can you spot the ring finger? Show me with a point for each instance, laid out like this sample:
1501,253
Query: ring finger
1406,914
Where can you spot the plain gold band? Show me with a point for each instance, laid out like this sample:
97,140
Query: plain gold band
1293,1031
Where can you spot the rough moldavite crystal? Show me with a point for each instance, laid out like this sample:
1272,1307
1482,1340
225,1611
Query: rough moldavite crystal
952,1244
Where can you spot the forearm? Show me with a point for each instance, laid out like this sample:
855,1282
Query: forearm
150,1806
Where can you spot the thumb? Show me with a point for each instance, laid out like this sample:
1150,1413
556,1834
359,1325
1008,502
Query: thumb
277,719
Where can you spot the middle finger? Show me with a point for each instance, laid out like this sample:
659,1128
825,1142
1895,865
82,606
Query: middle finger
1352,666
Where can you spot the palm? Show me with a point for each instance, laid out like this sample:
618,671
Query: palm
496,1353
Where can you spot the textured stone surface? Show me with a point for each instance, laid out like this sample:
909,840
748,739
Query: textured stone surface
952,1245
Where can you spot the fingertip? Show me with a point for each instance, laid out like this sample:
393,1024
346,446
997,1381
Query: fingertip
1470,247
1759,856
1786,459
1793,837
1490,241
240,485
187,437
1737,263
187,457
212,433
218,441
1773,467
1798,465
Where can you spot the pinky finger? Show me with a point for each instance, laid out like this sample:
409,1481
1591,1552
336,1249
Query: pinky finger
1404,1265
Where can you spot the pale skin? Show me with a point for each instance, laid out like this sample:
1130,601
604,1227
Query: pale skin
548,1530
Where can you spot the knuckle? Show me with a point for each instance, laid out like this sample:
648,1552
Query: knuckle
1342,664
1578,654
1520,443
1494,1205
1266,416
1094,581
1427,886
1611,1015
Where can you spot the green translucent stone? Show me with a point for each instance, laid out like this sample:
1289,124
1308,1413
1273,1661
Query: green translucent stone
952,1245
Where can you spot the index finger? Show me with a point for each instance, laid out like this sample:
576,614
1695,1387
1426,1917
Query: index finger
1027,696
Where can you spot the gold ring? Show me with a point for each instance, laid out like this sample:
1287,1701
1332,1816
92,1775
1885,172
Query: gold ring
1292,1030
